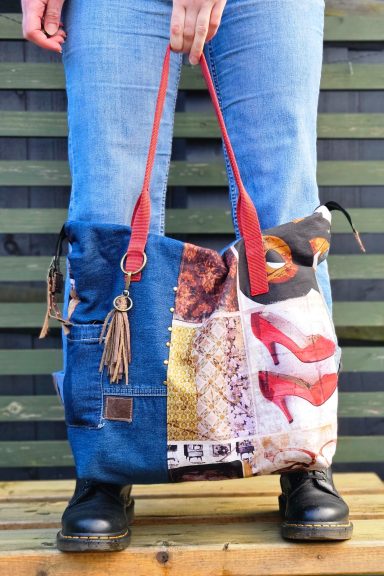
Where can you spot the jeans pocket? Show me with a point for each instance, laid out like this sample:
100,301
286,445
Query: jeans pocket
82,385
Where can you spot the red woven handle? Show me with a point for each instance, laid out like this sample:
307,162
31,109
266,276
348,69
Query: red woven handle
246,212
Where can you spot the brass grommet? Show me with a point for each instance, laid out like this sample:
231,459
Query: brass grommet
171,309
175,288
165,382
168,343
170,328
166,362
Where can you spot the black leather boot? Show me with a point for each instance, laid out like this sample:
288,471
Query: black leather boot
312,508
97,518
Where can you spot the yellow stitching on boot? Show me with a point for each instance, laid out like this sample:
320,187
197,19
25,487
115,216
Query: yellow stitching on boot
95,537
319,525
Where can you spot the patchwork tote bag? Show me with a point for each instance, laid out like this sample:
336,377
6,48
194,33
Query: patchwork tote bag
184,363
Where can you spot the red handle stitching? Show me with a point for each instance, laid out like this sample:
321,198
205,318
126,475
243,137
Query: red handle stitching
246,212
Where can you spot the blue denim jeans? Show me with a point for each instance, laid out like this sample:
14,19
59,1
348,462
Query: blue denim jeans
265,61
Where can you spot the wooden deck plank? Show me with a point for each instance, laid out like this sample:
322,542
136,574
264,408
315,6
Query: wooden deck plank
54,453
227,549
59,490
197,510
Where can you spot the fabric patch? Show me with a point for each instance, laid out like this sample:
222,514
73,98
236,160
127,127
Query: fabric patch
224,399
118,408
182,396
207,283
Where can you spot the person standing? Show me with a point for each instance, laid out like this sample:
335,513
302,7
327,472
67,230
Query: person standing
265,59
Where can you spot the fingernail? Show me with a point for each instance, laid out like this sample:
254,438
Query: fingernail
193,60
51,28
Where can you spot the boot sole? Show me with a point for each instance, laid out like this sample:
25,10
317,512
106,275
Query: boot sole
97,542
92,543
314,531
326,531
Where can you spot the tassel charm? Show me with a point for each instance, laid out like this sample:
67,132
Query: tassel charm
117,346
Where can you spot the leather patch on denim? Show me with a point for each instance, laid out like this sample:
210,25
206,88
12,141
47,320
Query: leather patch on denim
118,408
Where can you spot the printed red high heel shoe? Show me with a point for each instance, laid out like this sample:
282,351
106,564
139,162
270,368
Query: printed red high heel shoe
313,349
275,387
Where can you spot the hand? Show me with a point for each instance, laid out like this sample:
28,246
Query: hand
194,22
42,17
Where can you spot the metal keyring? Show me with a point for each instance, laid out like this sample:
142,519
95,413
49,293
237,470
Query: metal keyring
136,271
117,300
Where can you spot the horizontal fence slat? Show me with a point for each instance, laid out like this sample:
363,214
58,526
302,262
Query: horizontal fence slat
361,405
45,76
29,362
342,27
191,125
360,320
356,266
193,174
27,124
49,408
31,409
53,453
34,362
349,266
354,28
350,126
179,221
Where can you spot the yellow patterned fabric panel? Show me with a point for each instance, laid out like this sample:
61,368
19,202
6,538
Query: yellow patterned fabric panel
182,396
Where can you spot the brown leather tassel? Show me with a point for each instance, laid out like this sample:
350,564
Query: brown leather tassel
117,345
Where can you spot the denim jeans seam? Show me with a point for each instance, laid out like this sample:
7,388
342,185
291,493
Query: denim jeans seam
71,155
166,175
231,181
133,393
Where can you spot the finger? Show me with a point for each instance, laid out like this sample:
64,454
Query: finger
201,31
177,27
61,33
215,20
38,37
189,28
52,16
32,31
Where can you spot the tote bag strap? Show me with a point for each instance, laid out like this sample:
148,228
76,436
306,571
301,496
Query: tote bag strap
246,212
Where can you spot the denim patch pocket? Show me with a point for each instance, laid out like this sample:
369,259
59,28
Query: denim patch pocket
82,385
